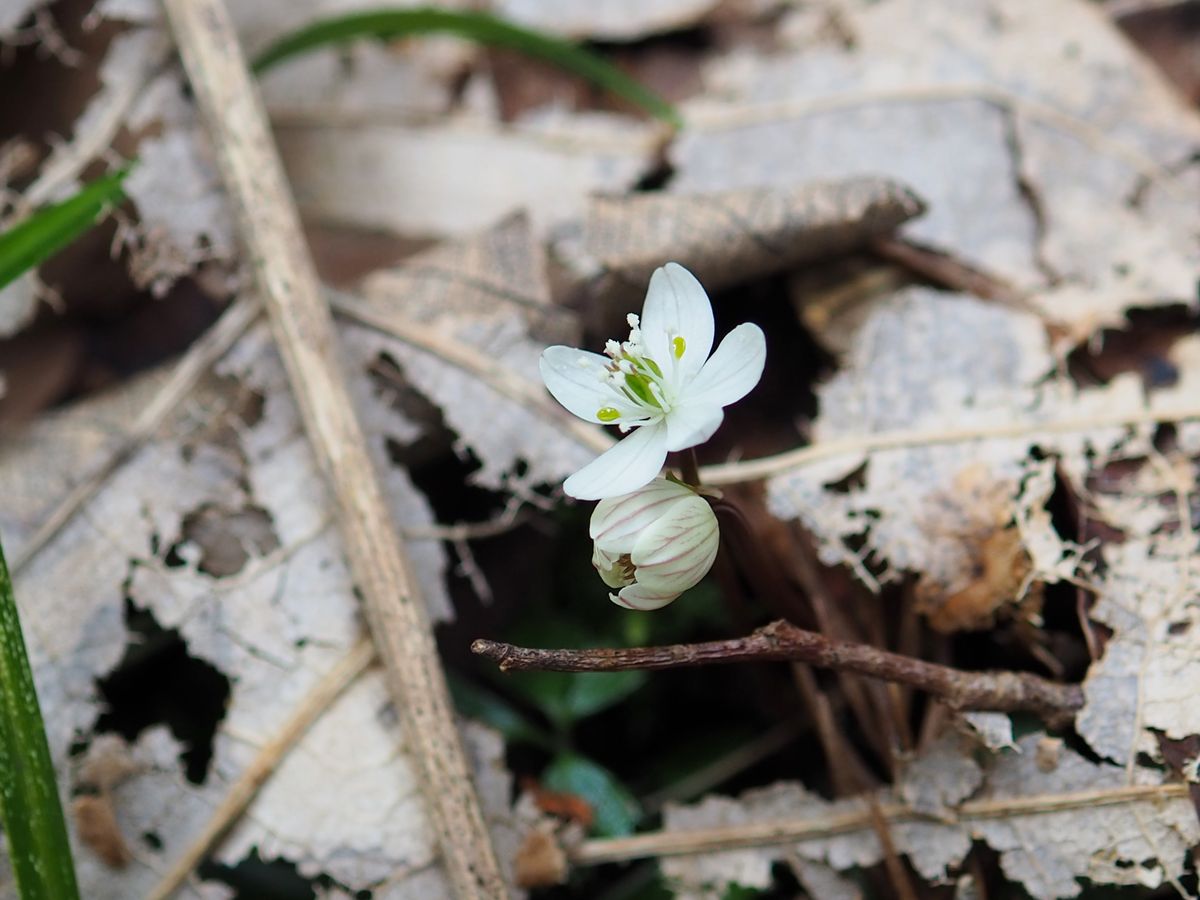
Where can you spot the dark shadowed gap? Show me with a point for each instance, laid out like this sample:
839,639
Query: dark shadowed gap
1142,347
255,878
158,682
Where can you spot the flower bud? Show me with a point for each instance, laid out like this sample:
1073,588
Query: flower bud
653,544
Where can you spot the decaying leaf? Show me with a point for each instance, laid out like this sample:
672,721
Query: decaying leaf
737,235
1046,153
408,178
18,303
13,13
271,623
487,297
986,565
1047,149
606,21
184,219
1050,826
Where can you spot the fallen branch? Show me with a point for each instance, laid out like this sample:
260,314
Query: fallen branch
781,640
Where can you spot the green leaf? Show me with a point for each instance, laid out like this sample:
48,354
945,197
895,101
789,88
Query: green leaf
386,24
616,810
53,227
567,697
593,692
39,852
476,702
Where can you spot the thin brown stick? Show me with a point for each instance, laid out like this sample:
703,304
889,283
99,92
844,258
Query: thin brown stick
303,327
255,775
1000,691
947,271
898,876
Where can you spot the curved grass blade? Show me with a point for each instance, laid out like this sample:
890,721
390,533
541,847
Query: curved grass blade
39,852
53,227
385,24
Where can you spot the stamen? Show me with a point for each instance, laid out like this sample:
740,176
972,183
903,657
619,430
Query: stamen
640,386
678,345
608,414
633,320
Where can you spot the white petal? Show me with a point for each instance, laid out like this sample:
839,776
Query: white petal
617,521
732,372
692,424
678,549
677,306
576,379
638,597
633,462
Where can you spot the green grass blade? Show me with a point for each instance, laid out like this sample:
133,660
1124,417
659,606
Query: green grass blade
385,24
39,852
53,227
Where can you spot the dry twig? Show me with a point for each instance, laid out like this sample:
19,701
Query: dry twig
303,327
1000,691
766,834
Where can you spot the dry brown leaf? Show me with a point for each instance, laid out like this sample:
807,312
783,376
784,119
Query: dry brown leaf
733,236
975,522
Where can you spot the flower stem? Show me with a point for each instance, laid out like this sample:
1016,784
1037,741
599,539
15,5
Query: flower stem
689,467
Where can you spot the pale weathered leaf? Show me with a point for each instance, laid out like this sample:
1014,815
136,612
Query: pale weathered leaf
1053,817
1047,149
488,296
18,303
606,21
184,218
409,178
13,14
271,610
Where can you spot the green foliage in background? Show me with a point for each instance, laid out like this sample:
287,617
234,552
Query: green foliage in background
39,851
388,24
53,227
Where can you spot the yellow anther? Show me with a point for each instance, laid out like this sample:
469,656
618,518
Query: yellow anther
608,414
678,345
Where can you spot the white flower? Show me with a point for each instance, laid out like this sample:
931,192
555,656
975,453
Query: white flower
653,544
661,382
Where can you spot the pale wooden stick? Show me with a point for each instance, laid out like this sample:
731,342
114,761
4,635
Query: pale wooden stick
303,326
500,379
768,466
254,776
187,372
766,834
